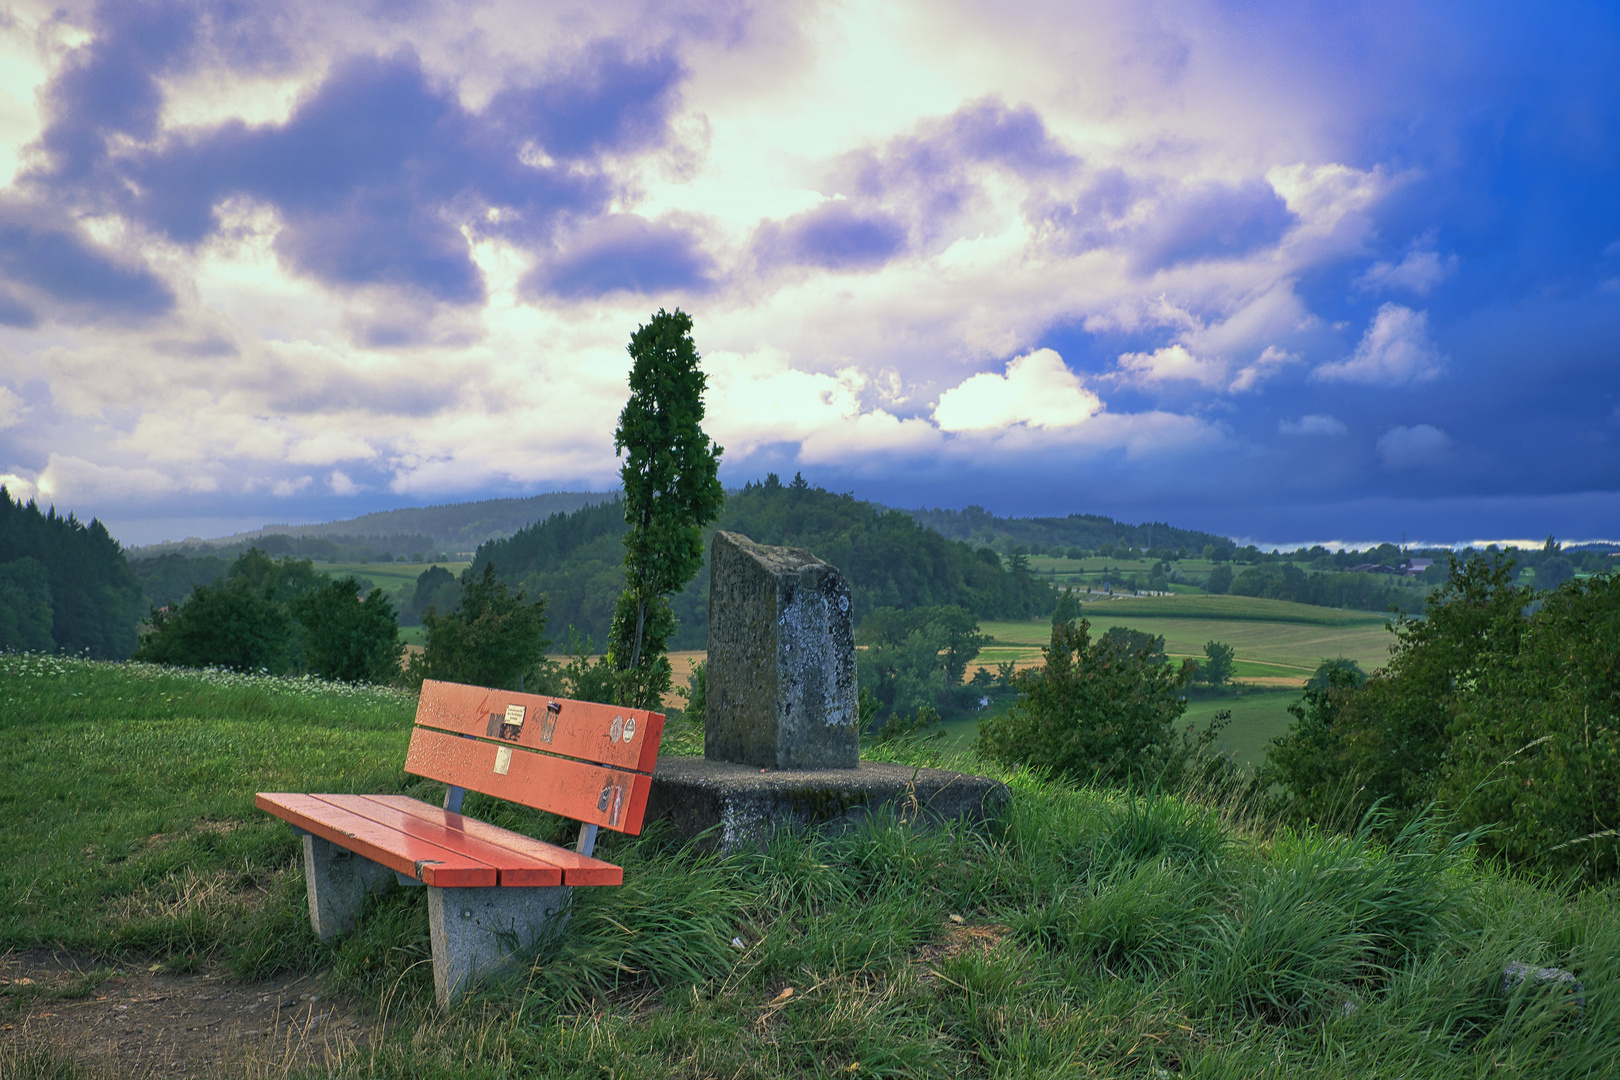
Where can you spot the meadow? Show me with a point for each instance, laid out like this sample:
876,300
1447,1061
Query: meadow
1080,933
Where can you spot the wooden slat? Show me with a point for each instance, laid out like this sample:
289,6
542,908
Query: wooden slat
612,798
512,866
580,729
433,864
577,869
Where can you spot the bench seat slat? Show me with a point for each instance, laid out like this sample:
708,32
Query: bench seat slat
577,869
514,867
580,729
409,855
612,798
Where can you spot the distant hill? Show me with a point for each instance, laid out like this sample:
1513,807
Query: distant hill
979,527
450,527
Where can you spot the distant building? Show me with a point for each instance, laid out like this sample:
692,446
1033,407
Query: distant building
1417,566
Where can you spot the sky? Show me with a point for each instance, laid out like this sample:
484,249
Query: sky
1291,271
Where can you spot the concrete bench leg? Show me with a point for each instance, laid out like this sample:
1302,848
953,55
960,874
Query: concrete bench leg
478,932
338,881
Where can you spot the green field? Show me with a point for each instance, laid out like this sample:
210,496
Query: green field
388,576
1288,639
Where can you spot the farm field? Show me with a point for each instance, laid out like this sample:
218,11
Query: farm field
1274,639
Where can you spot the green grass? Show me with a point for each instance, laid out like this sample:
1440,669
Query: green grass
1289,638
1081,933
1257,718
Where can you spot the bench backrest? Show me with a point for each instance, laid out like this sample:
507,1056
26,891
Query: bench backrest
589,762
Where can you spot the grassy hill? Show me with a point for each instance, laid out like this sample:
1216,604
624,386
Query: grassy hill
1081,933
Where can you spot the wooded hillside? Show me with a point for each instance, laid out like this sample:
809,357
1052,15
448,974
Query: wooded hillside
64,585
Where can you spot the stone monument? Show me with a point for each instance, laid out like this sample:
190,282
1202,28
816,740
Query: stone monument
781,730
781,676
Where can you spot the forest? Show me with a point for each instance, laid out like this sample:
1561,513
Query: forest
891,561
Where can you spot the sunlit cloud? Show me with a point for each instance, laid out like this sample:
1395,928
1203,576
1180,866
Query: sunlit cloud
1038,390
1395,350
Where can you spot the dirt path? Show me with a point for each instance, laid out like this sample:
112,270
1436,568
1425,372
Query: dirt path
131,1022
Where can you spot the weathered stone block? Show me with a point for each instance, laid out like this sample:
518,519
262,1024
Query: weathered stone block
781,692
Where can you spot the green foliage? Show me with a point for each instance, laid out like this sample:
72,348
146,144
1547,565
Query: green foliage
1094,712
889,560
1385,740
347,637
229,624
168,579
910,660
437,589
1535,740
1322,677
1285,581
1220,580
25,606
497,638
94,599
1216,669
1131,642
1067,608
672,490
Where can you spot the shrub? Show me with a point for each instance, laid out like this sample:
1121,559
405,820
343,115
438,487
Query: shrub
1094,711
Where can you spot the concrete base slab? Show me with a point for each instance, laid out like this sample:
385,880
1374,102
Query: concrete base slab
480,933
748,803
337,882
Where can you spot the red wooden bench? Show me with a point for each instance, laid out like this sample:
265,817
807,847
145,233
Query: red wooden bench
491,892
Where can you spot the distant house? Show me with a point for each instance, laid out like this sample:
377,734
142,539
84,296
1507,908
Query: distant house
1417,566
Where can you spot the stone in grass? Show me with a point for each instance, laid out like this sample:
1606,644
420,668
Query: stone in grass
781,667
1548,978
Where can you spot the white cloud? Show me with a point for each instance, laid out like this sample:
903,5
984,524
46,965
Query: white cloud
341,484
1170,363
1419,272
1394,351
1038,391
291,486
19,487
75,482
1412,447
1270,361
12,408
1313,424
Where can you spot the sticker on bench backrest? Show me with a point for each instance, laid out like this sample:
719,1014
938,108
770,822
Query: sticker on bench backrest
611,801
549,728
503,759
512,723
629,728
616,728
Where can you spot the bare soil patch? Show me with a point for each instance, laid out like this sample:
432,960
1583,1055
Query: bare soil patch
127,1020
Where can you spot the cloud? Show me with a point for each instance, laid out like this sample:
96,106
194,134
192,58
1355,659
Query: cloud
342,485
629,253
1037,391
1413,447
1211,221
1394,351
1419,272
833,236
1270,361
1168,364
12,408
54,264
1314,424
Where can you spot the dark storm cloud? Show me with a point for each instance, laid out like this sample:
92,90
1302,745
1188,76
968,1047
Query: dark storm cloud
833,236
375,175
48,262
626,252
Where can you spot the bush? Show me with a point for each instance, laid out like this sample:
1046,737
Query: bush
347,637
497,638
1535,746
1096,711
230,624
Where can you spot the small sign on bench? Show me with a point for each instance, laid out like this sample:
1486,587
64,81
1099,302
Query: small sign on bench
488,887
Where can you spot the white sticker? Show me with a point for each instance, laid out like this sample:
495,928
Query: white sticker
503,759
514,715
629,729
616,729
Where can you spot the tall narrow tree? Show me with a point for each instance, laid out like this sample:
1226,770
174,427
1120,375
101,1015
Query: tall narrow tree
671,490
